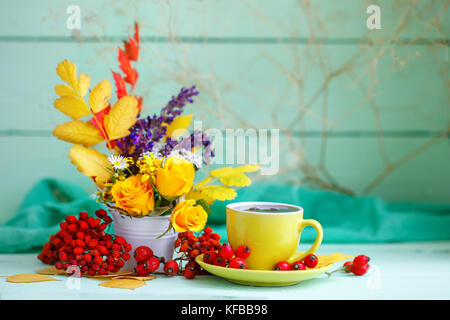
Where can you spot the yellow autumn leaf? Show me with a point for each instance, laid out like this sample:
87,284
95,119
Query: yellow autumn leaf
221,172
73,106
112,275
84,81
78,132
29,277
91,163
327,259
220,193
142,278
179,125
238,179
203,182
247,168
123,284
100,95
121,117
52,271
67,71
197,195
64,90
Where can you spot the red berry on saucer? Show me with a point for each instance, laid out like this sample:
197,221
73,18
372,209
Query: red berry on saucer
226,251
298,265
237,263
311,260
209,257
282,266
242,252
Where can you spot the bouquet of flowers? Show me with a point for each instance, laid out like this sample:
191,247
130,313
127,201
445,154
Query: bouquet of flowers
152,161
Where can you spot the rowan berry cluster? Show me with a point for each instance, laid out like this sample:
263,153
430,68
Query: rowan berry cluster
190,246
83,242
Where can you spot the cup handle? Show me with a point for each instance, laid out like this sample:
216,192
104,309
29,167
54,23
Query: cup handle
316,225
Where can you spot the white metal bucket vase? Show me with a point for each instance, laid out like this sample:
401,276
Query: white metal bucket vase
144,231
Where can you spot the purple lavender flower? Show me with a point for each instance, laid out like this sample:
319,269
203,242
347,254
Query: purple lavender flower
149,130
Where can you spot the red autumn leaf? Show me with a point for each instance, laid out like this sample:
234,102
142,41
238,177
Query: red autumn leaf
131,49
139,99
131,74
121,89
97,121
136,33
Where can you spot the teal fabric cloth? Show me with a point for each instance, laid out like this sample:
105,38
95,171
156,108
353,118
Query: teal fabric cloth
345,219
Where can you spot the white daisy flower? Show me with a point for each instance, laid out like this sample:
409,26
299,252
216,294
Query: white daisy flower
118,162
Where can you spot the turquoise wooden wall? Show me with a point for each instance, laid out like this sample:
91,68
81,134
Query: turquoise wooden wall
364,111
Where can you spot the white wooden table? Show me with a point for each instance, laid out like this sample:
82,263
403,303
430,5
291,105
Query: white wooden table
398,271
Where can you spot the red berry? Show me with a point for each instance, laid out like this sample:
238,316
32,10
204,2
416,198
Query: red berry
242,252
152,264
171,267
361,260
87,257
119,263
64,225
83,225
120,240
83,215
298,265
78,250
127,247
71,219
92,272
190,272
126,256
207,230
102,271
360,270
237,263
98,260
59,265
209,257
142,253
226,251
348,266
63,256
219,261
311,260
73,227
282,266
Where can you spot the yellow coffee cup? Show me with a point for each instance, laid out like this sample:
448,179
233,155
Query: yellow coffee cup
271,230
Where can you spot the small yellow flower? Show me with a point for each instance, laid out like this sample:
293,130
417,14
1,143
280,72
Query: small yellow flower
148,166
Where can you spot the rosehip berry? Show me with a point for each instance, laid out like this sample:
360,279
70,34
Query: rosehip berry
311,260
209,257
142,253
282,266
360,270
242,252
219,261
348,266
152,264
361,260
226,251
298,265
140,270
237,263
190,272
171,267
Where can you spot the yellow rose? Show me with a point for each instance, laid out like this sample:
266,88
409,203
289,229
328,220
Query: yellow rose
134,195
175,178
187,216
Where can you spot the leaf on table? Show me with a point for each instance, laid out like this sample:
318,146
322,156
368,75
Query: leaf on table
121,117
84,81
135,277
123,284
91,163
100,95
73,106
327,259
67,71
51,271
78,132
112,275
29,277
